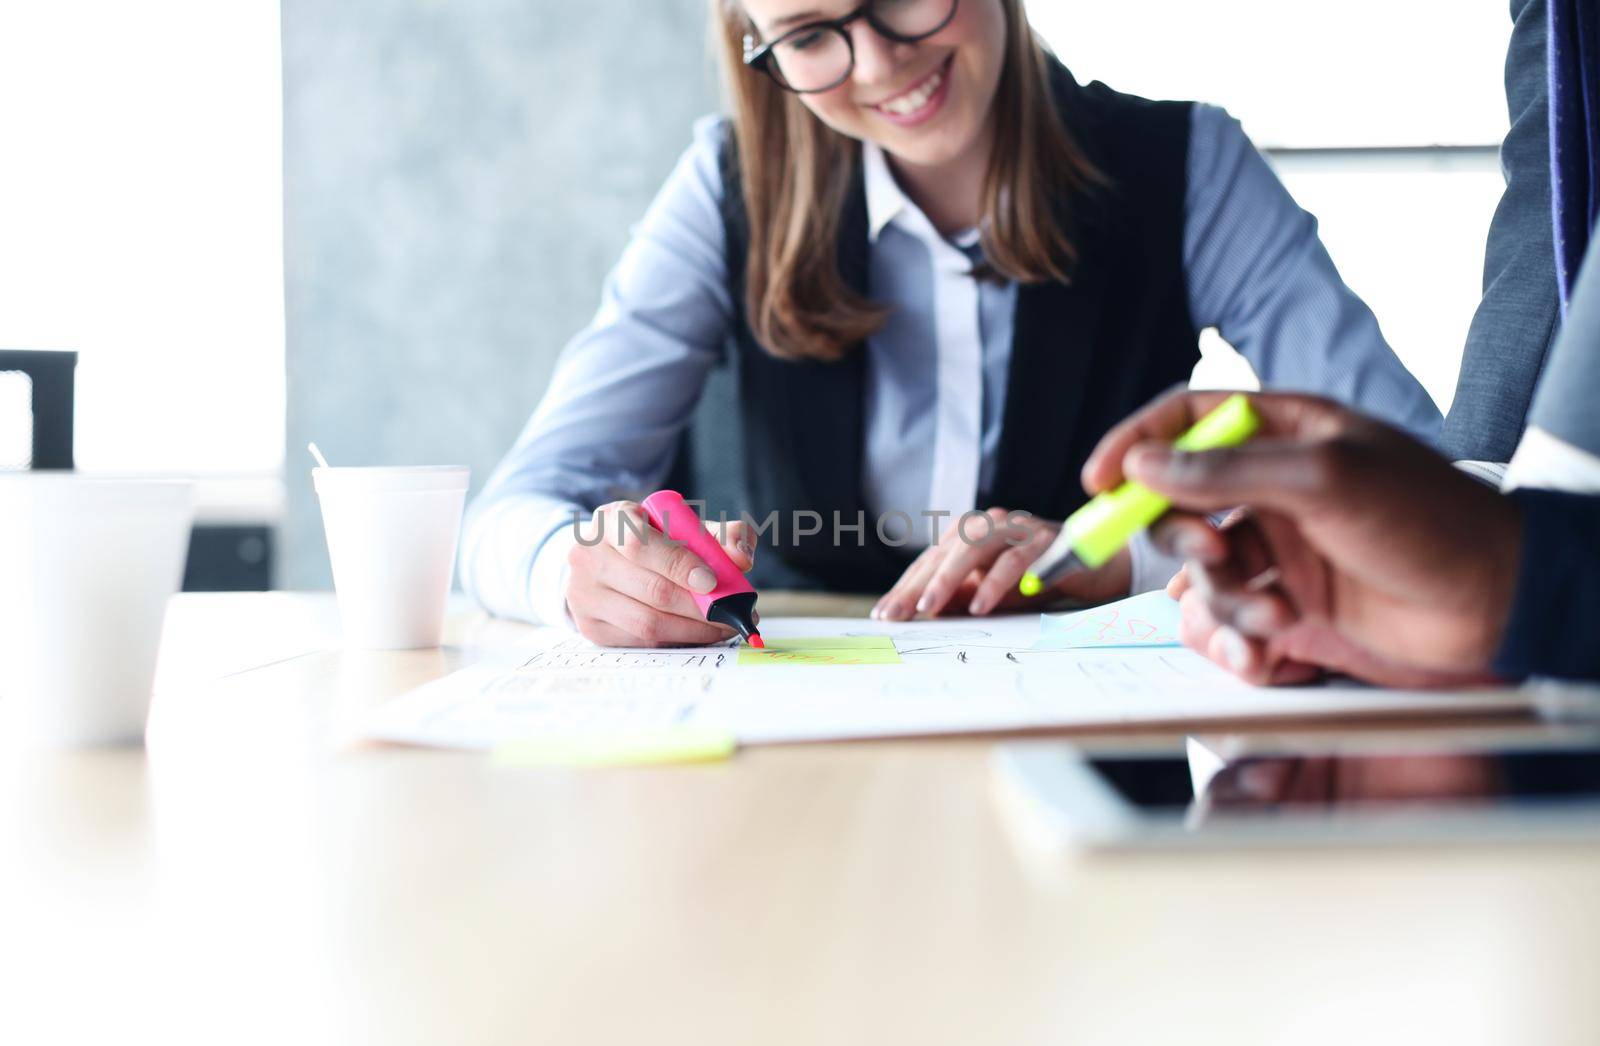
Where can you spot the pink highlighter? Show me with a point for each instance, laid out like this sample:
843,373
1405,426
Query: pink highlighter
733,601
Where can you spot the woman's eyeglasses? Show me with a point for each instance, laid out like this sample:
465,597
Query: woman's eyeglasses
819,56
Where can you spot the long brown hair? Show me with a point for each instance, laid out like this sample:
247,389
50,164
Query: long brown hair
796,172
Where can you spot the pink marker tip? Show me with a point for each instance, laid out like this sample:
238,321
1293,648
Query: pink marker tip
757,642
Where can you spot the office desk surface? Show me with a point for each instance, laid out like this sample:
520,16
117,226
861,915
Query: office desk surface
254,878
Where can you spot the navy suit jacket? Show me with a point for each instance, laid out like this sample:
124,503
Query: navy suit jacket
1517,320
1554,628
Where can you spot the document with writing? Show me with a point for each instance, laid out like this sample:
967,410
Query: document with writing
851,678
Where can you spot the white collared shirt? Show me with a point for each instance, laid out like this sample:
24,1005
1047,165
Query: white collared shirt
932,277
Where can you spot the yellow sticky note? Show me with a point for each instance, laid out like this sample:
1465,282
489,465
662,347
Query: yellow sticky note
639,748
823,650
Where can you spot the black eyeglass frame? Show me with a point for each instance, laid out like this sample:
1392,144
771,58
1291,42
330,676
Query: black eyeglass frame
761,57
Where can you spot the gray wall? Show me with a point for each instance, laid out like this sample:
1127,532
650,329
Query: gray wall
459,175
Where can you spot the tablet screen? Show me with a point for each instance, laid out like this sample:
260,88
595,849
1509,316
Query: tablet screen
1262,782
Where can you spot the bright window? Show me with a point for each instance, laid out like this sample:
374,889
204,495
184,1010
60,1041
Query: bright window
141,209
1381,116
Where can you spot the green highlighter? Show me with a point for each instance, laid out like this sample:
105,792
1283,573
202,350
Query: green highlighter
1099,530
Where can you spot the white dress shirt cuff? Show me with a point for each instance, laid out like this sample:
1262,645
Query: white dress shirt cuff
1489,473
507,544
547,581
1547,462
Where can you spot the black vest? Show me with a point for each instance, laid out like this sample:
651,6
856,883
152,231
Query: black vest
1084,355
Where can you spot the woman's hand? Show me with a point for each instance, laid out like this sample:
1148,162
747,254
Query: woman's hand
630,587
976,565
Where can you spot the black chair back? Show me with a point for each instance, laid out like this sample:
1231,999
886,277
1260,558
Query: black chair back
49,381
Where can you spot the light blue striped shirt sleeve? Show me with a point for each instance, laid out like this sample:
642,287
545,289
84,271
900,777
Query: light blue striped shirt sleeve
627,385
1259,274
622,393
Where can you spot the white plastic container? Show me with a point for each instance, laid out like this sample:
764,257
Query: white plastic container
392,536
87,566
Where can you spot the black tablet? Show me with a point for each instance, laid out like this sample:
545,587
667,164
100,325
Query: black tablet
1240,791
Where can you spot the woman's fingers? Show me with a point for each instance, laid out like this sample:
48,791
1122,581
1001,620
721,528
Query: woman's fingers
633,587
973,543
646,547
900,602
597,631
738,540
625,621
1000,583
975,566
618,574
955,565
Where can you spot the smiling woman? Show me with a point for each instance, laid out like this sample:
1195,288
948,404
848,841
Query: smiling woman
939,269
939,116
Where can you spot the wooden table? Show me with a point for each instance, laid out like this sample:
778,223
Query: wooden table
252,878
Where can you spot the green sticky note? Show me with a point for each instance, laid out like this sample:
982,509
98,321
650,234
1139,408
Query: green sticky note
823,650
637,748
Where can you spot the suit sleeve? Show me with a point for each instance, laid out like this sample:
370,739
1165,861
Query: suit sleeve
1516,321
1554,628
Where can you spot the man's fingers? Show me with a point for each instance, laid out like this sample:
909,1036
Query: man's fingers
1292,476
1193,537
1255,662
1195,623
1292,673
1241,656
1196,629
1239,592
1283,415
1166,418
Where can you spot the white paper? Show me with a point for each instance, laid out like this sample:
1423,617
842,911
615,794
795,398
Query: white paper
960,676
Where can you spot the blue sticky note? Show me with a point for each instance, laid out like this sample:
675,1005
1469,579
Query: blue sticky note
1148,620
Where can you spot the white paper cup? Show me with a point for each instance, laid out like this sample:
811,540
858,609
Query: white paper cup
86,568
392,542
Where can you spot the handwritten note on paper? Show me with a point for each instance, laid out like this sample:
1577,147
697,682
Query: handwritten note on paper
599,659
1148,620
479,707
823,650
